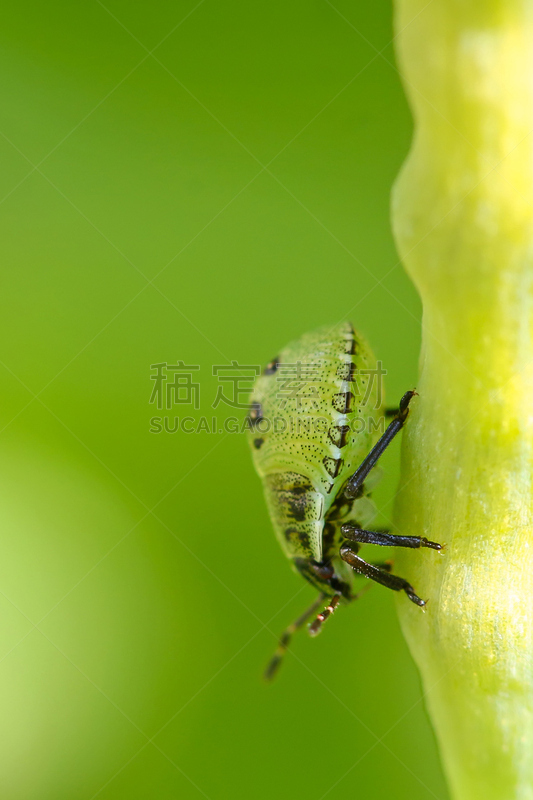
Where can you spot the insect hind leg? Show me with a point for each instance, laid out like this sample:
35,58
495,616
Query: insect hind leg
286,636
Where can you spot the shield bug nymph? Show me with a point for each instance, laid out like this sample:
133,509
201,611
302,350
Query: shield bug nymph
314,433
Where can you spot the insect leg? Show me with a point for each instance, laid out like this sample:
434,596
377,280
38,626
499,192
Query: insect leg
385,539
316,626
357,479
286,636
393,582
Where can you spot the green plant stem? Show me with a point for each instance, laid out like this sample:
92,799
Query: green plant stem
463,220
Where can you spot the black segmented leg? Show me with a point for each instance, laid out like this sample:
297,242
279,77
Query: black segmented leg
348,554
316,626
286,636
385,539
357,479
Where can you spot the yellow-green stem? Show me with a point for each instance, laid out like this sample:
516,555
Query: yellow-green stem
463,220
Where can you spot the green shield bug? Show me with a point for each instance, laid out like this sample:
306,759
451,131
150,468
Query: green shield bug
313,426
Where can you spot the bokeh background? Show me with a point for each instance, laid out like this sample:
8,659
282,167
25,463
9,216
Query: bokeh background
203,182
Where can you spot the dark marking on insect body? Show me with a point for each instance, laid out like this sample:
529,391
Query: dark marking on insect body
272,366
297,506
342,402
332,465
255,413
301,489
296,536
258,443
338,435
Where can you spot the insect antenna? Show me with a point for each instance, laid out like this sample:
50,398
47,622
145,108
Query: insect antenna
286,636
316,626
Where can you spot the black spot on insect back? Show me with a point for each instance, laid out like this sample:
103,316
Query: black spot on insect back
255,413
272,366
342,402
332,465
338,435
258,443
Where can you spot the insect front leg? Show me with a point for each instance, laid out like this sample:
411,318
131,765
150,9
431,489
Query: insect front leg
386,539
348,553
316,626
355,483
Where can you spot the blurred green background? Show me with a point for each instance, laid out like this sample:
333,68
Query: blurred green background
206,202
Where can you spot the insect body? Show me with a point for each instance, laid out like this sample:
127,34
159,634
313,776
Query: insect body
313,430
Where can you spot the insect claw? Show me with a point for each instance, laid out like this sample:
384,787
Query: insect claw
433,545
414,597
